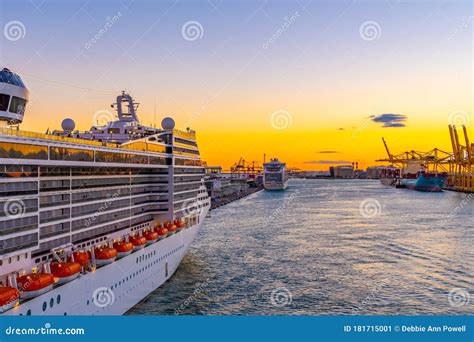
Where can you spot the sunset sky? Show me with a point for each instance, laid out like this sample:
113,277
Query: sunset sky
309,82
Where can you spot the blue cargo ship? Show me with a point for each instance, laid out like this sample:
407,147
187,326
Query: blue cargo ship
424,181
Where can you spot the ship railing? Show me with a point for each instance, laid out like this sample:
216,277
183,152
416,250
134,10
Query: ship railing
135,146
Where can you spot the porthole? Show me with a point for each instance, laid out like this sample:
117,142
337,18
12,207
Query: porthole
58,299
28,313
44,306
51,302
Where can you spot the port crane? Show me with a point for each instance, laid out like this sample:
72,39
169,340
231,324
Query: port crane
461,164
242,166
434,160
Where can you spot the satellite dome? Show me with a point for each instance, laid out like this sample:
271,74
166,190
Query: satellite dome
68,125
167,124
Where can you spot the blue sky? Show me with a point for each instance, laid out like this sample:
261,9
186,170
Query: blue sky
321,68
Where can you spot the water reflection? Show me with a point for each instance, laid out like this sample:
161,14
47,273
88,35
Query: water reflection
327,255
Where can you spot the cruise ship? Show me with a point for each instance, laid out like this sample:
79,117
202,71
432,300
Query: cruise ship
92,222
275,175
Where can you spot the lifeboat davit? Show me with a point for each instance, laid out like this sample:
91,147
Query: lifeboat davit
105,255
162,233
34,284
137,241
172,229
81,257
151,237
65,271
123,248
9,297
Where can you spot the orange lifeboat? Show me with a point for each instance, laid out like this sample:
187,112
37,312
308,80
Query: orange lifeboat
151,237
65,271
123,248
137,241
172,228
162,233
9,297
179,223
104,255
34,284
81,257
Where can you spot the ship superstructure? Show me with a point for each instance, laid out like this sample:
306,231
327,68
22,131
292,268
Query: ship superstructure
275,175
106,213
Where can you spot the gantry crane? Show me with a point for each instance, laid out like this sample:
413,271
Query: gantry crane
243,166
462,162
433,160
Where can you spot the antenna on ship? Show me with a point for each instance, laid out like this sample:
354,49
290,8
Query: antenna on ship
154,113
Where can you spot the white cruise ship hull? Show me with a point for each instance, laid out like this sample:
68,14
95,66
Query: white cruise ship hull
115,288
276,186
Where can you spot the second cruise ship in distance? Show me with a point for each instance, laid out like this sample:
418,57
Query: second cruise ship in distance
92,222
275,175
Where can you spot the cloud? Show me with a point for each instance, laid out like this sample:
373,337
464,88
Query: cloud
341,129
328,162
394,125
328,151
390,120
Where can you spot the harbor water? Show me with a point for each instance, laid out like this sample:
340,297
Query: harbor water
326,247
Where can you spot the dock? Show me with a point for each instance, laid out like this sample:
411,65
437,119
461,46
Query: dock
219,202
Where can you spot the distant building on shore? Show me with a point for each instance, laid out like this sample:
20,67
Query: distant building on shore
373,172
343,171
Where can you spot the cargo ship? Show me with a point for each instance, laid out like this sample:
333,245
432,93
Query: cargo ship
422,171
424,181
92,222
389,175
275,175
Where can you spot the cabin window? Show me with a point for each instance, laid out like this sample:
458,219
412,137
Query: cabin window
17,105
4,99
